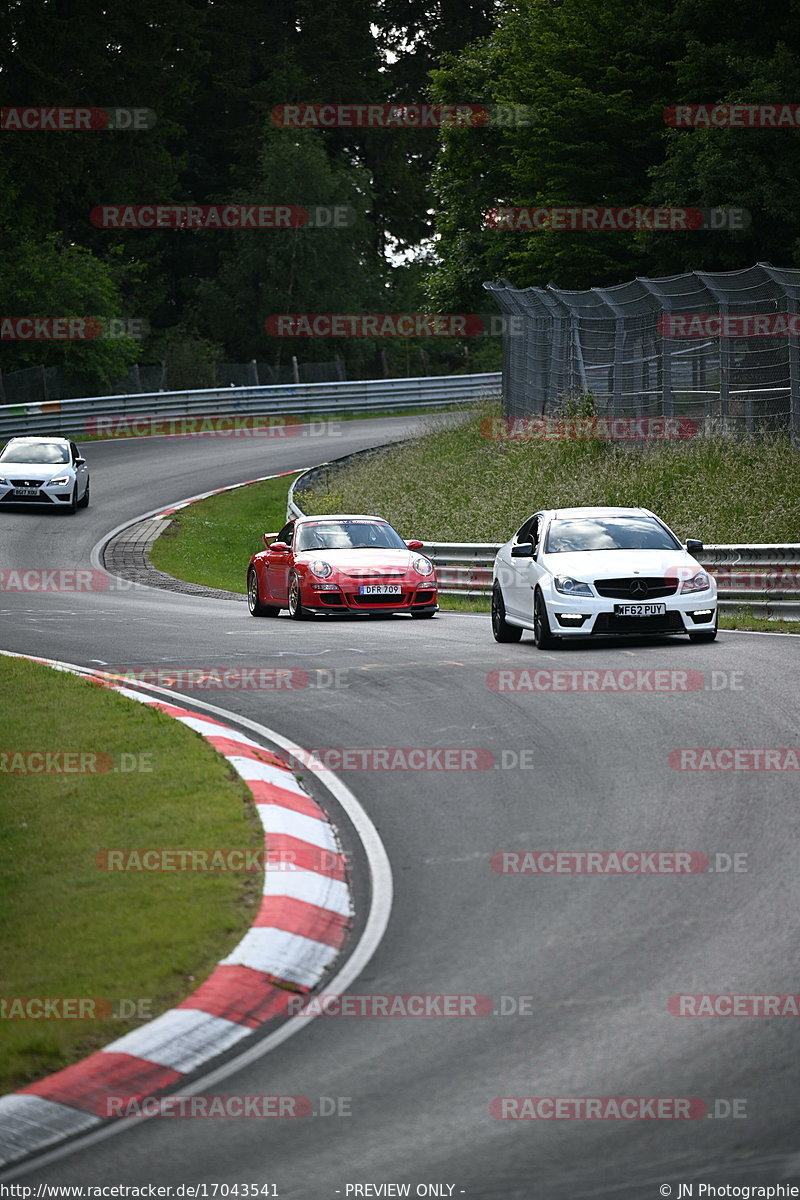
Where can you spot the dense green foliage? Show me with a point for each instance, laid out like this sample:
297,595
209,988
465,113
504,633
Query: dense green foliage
596,73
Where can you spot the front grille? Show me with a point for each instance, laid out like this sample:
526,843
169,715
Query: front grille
10,498
610,623
620,589
26,482
424,597
391,601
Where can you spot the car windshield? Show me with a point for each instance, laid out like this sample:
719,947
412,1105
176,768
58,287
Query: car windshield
347,535
608,533
35,452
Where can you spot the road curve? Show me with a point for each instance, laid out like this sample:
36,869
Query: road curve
591,959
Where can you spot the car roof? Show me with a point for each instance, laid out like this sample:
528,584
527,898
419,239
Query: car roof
606,511
27,437
341,517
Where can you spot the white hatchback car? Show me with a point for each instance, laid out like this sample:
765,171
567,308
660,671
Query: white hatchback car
48,471
579,572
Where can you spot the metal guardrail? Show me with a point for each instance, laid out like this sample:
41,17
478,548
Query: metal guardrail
762,576
99,416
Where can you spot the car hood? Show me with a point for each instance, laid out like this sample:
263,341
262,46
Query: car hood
614,564
40,472
360,563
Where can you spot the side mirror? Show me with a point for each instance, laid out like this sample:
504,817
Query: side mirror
80,462
280,547
694,546
415,545
523,550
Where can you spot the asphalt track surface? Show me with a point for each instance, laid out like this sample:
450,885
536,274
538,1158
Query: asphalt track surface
599,956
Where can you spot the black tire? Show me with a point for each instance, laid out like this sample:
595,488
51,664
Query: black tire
72,507
257,609
296,610
502,631
84,503
704,635
542,637
420,616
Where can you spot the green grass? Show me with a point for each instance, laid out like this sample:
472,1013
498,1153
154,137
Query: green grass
211,542
743,618
455,484
69,929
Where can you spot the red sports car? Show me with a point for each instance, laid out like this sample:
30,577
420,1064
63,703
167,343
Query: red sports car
340,563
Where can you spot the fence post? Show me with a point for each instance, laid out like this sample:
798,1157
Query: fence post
794,376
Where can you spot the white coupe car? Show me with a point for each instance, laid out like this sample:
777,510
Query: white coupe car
578,572
47,471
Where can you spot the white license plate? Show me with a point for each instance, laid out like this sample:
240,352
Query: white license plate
640,610
26,491
379,589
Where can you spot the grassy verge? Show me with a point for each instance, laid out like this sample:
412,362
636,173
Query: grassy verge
455,484
70,929
211,542
743,618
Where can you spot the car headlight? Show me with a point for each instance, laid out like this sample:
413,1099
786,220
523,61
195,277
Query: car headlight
4,482
698,583
571,587
59,482
423,566
320,568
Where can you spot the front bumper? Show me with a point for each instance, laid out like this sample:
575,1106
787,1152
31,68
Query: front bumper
411,599
49,497
575,616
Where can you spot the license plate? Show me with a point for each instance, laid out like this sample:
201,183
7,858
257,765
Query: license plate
640,610
379,589
26,491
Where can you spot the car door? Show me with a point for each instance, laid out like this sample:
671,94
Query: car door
522,572
81,471
279,564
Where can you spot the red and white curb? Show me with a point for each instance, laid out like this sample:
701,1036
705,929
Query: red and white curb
297,935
